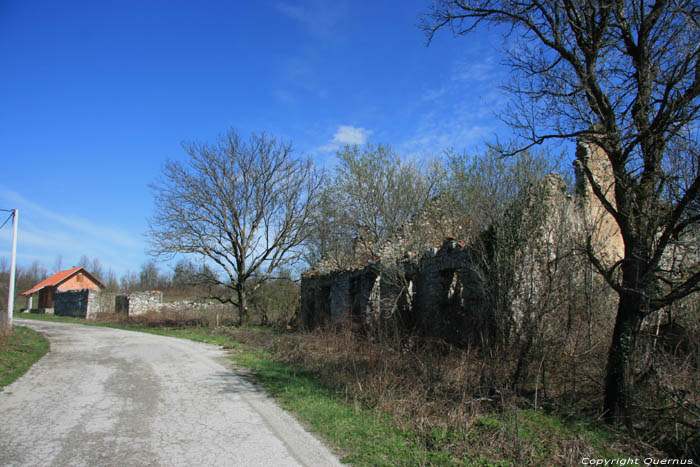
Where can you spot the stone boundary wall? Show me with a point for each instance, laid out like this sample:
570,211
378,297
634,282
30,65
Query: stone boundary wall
88,304
100,302
138,303
187,305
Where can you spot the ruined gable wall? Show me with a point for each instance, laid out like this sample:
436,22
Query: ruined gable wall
596,220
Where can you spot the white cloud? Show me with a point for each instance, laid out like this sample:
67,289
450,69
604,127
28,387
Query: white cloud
319,17
346,134
459,111
476,68
299,74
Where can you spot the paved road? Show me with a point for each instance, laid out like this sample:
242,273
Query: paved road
118,398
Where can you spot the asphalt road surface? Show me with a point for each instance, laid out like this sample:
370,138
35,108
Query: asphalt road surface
116,398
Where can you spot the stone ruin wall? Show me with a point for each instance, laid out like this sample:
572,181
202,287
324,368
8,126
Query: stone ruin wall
442,294
439,294
596,220
87,303
138,303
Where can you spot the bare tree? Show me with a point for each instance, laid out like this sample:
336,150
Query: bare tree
149,276
372,193
96,268
84,262
245,205
110,280
129,281
506,229
624,75
58,264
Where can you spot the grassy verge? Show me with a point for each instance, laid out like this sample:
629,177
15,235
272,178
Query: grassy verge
366,438
52,318
18,351
378,420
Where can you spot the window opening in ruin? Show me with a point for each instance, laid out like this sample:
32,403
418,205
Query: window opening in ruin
451,296
375,296
325,302
309,312
405,304
355,297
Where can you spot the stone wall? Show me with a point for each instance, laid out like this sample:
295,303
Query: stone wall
100,301
89,303
333,298
437,294
85,303
597,221
71,303
138,303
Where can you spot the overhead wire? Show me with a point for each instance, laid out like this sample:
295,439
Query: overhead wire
8,217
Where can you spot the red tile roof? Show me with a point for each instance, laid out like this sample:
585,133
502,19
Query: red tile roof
60,277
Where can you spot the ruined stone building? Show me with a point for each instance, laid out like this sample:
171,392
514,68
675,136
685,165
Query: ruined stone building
427,277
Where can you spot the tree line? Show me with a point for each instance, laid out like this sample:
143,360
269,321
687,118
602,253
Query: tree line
180,280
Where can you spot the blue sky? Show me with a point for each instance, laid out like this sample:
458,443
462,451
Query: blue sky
95,96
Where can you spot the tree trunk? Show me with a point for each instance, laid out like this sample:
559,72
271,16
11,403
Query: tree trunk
243,316
619,379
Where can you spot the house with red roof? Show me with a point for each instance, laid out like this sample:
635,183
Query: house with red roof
75,279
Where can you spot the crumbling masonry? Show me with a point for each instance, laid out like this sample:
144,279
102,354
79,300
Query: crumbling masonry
430,284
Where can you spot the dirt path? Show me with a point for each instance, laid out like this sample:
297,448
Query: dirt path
109,397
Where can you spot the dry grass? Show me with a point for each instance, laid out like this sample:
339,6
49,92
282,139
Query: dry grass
453,400
212,316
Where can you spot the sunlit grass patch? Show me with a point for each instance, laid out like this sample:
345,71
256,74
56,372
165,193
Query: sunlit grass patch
19,350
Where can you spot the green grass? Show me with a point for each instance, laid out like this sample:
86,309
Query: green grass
55,319
540,436
366,437
18,352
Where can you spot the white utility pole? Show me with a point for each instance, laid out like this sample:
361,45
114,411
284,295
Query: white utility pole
11,290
